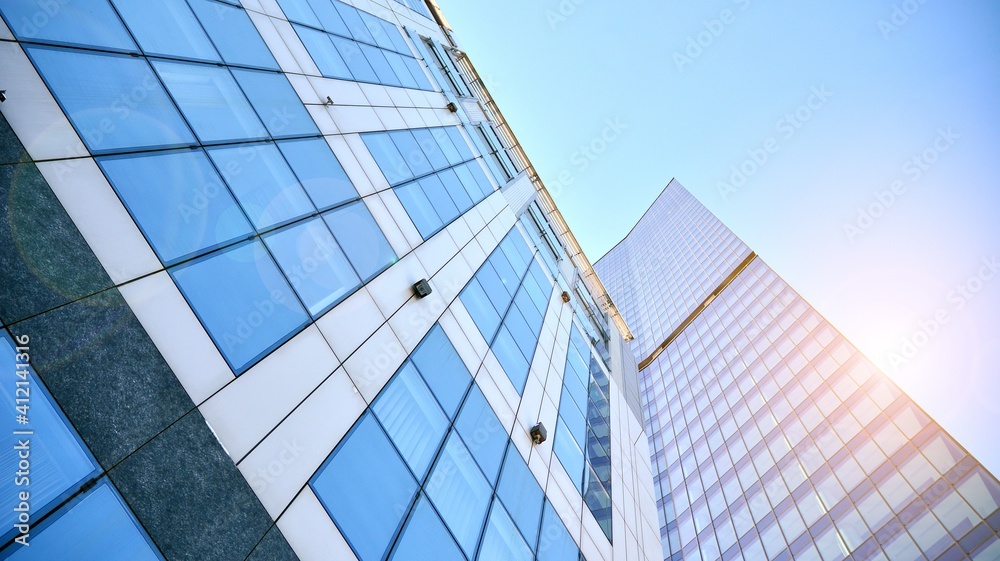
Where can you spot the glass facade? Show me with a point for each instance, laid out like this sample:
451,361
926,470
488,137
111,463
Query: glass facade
772,437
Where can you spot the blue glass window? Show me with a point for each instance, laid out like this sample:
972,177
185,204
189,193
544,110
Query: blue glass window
243,301
554,541
455,188
398,43
297,10
354,22
74,22
400,68
569,454
323,53
446,145
212,102
418,73
469,181
166,27
419,209
479,306
329,18
442,369
388,158
378,32
366,489
482,433
233,33
56,450
425,533
460,492
178,201
411,152
521,494
511,359
355,59
130,112
262,182
314,264
459,142
319,171
413,419
502,542
380,65
276,103
439,198
96,525
431,149
361,239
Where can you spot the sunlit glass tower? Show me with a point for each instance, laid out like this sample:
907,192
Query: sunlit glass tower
771,436
277,282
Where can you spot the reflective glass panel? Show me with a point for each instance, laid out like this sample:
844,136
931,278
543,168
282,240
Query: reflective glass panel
349,50
442,369
76,22
319,171
482,433
361,239
233,33
166,27
276,103
323,53
460,493
520,494
425,533
413,418
502,542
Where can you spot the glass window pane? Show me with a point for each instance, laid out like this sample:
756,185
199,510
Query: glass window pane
329,19
446,145
314,264
442,369
478,304
460,493
212,102
366,489
388,158
262,182
167,27
361,239
96,525
554,541
355,59
413,419
510,358
469,182
942,452
243,300
178,201
411,152
76,22
276,103
521,494
482,433
419,208
131,111
417,71
431,148
485,187
453,185
297,10
323,53
233,33
425,533
380,65
399,67
353,20
376,30
569,454
502,542
982,492
439,198
319,171
392,32
460,143
56,451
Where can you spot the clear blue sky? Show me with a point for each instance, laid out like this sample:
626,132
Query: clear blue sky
696,90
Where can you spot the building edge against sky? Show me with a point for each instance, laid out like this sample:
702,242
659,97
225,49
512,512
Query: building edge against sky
772,436
213,340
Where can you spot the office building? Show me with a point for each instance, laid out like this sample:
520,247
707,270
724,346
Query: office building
772,436
277,282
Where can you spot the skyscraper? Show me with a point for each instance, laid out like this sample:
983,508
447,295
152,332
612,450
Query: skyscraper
772,437
277,282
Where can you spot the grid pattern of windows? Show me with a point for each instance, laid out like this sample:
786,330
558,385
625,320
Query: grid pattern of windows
217,161
433,171
48,468
417,6
669,263
351,44
775,438
507,299
430,468
583,430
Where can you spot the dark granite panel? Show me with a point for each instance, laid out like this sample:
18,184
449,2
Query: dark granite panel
44,261
189,495
106,374
273,548
11,150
